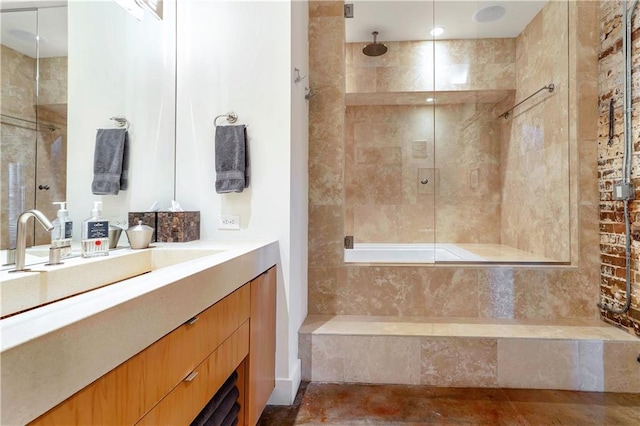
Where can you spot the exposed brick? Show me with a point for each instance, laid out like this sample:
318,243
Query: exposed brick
613,260
613,250
612,228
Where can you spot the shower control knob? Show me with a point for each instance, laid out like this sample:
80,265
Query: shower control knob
424,181
43,187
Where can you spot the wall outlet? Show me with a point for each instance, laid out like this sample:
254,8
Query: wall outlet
122,222
229,221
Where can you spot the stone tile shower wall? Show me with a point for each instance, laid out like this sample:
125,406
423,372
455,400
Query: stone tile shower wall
386,160
389,149
485,292
483,64
21,142
534,154
18,143
612,228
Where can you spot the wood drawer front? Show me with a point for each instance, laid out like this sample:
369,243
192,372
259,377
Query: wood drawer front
126,393
262,342
184,403
214,325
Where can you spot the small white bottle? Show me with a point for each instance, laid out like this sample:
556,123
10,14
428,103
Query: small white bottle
95,233
62,230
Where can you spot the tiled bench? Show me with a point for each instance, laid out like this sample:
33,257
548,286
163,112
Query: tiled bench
584,355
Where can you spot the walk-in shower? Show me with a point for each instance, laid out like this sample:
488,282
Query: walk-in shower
462,139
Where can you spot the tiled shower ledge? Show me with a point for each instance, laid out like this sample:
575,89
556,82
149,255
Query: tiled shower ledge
586,355
463,327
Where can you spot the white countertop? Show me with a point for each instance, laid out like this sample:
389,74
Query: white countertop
49,353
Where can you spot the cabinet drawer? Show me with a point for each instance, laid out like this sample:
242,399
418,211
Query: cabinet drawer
184,403
126,393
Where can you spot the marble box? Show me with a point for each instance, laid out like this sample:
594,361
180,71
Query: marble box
178,227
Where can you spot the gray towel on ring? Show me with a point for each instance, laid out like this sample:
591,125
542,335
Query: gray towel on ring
110,162
231,159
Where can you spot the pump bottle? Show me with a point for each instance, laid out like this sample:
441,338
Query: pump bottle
95,233
62,230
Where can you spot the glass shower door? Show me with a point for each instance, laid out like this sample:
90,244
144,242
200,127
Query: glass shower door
503,193
390,177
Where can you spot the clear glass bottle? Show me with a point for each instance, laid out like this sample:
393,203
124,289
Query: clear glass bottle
62,230
95,233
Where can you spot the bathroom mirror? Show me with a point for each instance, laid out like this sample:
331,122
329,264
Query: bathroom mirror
55,94
434,171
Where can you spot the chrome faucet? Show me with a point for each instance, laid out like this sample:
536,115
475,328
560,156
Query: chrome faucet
21,244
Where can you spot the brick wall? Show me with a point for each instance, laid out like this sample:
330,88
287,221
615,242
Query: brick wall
610,154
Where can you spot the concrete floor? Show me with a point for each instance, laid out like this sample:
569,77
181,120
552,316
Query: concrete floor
354,404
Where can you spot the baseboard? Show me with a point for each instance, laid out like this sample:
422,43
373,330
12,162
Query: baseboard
286,388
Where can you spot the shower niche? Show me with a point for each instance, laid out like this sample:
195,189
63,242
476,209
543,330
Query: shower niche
433,172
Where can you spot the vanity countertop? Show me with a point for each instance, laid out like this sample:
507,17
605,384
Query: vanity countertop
51,352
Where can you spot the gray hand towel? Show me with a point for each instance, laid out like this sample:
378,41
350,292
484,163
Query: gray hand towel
214,403
232,417
231,159
223,409
110,162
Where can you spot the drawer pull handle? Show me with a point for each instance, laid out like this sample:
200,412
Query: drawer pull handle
192,321
191,376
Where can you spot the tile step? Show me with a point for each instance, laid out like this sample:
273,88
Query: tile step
587,355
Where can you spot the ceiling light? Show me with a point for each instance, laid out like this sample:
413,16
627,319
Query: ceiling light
23,35
489,14
436,31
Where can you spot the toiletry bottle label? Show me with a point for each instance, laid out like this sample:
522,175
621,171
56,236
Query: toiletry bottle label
68,229
98,229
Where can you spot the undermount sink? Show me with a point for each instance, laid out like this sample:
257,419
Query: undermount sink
22,291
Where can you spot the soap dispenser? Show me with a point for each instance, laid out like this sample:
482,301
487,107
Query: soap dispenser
62,230
95,233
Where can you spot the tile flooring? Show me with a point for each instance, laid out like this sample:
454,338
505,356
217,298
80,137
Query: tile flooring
355,404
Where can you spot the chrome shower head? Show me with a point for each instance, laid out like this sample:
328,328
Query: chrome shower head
375,48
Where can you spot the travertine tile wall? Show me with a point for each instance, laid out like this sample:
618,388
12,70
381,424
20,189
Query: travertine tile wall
612,228
534,162
390,149
17,76
20,140
512,292
53,81
572,354
408,66
477,191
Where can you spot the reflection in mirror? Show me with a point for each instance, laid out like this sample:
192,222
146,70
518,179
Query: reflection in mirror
430,165
34,110
117,65
130,73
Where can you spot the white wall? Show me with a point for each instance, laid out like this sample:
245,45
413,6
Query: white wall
120,66
237,56
299,207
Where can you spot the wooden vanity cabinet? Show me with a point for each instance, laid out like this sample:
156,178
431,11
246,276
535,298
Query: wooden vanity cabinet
262,343
170,381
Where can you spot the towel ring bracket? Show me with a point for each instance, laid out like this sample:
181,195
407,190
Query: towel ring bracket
121,121
231,117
